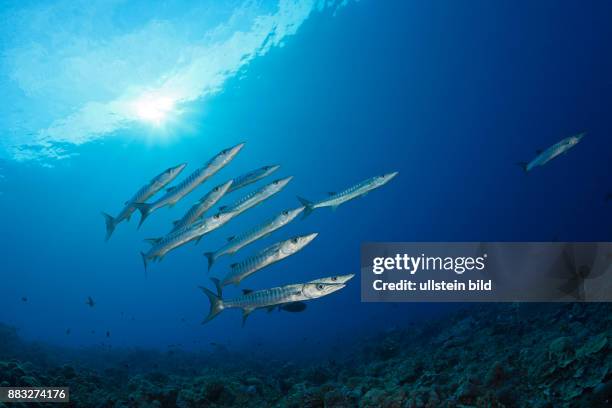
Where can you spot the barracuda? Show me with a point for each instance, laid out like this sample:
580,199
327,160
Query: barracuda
252,177
204,204
553,151
257,197
147,191
176,193
161,246
266,257
335,199
240,241
267,298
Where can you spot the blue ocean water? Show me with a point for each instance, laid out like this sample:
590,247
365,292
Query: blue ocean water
450,95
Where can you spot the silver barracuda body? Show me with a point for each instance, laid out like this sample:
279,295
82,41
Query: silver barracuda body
267,298
147,191
240,241
266,257
176,193
257,196
204,204
161,246
335,199
552,152
252,177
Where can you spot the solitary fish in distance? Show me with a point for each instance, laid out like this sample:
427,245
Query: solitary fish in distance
90,302
203,205
266,257
161,246
335,199
257,196
267,298
176,193
147,191
553,151
240,241
252,176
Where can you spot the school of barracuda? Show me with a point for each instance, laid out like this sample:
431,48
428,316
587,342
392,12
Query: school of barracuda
195,224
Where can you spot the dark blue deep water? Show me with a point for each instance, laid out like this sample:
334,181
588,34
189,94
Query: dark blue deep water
450,94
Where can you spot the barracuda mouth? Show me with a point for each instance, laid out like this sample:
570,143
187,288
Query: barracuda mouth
334,288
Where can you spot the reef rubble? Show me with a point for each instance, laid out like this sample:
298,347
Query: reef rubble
485,355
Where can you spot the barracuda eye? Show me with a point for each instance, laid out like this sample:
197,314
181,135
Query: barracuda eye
216,216
320,286
276,182
216,189
334,278
285,212
294,240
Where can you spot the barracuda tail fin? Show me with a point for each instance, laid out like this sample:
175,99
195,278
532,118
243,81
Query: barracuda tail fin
216,304
110,225
523,165
308,206
145,211
210,256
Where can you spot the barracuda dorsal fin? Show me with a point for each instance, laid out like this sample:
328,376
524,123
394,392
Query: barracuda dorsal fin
247,291
153,241
230,239
245,314
331,193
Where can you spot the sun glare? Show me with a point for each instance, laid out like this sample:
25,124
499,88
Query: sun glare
154,109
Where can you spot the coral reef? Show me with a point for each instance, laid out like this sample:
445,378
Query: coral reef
489,355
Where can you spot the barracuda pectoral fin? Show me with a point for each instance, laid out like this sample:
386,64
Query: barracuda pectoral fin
270,309
245,313
334,207
229,239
